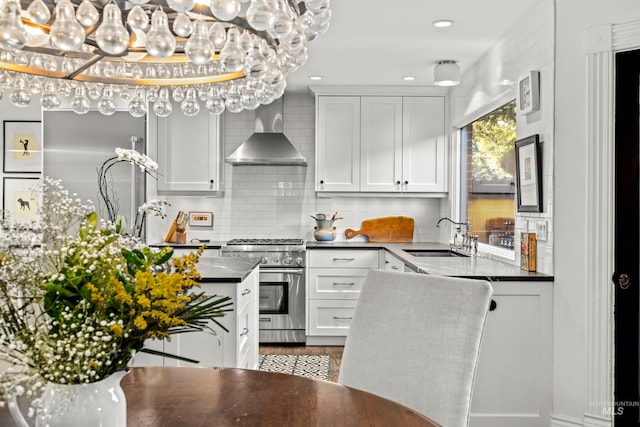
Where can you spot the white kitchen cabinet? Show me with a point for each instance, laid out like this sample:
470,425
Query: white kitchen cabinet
237,348
338,155
513,380
424,157
393,263
381,144
335,278
189,153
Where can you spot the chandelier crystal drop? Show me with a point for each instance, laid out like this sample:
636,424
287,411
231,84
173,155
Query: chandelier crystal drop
143,54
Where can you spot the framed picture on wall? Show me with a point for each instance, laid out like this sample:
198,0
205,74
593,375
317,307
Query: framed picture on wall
19,198
22,146
528,92
529,174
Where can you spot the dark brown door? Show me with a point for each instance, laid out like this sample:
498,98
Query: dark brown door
626,277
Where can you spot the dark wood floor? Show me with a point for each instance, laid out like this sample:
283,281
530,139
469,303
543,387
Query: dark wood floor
335,354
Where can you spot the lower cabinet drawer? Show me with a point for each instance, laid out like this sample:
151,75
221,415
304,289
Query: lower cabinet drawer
334,283
330,317
344,258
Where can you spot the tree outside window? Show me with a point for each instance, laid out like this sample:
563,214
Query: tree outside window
488,165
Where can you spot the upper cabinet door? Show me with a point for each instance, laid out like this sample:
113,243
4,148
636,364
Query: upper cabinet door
189,153
424,144
338,143
381,144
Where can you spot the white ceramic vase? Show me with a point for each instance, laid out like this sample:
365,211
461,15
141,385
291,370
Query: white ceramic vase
99,404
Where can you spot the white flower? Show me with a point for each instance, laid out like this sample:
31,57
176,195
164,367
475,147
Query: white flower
135,158
154,207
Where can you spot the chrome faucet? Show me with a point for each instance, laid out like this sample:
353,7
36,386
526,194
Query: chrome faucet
469,243
465,223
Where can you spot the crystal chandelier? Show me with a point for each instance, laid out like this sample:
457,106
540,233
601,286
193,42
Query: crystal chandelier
224,54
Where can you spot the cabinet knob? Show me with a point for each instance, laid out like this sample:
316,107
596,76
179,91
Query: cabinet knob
398,182
322,181
244,332
406,182
493,305
211,181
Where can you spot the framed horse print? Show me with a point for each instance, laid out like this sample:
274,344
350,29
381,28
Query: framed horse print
19,199
22,146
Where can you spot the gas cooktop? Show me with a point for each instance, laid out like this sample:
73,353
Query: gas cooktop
283,242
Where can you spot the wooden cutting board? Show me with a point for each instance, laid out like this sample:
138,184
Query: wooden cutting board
386,229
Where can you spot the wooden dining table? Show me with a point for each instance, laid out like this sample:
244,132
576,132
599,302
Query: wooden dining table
220,397
194,396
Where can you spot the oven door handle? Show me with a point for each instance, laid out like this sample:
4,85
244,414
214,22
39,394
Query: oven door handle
299,271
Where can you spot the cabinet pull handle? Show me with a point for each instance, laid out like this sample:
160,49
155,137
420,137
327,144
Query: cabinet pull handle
245,331
344,259
342,318
394,267
493,305
343,284
246,292
265,319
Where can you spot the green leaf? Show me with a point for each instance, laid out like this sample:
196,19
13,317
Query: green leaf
134,257
172,356
163,255
59,290
121,224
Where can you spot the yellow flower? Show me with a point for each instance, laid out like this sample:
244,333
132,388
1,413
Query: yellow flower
116,329
140,323
96,297
143,301
121,294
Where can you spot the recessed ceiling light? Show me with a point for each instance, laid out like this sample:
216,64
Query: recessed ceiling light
315,77
442,23
408,78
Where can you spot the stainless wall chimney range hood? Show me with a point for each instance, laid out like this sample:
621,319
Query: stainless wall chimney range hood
268,145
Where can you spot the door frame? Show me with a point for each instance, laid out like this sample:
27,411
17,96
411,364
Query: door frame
602,43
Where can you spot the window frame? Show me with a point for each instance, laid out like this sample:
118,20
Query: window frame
457,156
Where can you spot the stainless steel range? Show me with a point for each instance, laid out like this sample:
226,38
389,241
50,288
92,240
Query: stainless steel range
282,286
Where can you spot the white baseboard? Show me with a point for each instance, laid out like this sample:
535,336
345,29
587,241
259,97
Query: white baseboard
558,420
588,421
597,421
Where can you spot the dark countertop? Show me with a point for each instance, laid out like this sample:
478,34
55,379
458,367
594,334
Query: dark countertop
225,270
188,245
478,267
475,267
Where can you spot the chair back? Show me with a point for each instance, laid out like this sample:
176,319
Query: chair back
415,339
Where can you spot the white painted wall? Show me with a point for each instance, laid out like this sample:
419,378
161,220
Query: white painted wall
528,46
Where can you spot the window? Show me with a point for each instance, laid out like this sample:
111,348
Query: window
488,176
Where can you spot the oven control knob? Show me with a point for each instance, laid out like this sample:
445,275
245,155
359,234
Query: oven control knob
264,260
287,260
298,260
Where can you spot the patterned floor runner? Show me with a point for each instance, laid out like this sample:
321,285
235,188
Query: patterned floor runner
307,366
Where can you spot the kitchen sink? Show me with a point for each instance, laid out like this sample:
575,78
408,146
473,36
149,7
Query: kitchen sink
433,253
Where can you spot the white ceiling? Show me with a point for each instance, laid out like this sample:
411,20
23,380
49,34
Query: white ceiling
377,42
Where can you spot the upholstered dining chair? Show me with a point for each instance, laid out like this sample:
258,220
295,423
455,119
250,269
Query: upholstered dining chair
415,339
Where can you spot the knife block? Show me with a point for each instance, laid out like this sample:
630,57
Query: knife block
175,234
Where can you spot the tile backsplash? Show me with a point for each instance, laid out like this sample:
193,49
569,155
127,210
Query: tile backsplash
277,201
